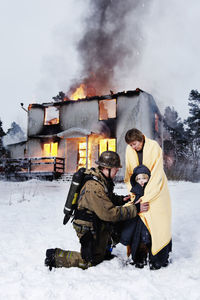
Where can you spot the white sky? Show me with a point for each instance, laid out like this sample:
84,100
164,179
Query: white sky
38,57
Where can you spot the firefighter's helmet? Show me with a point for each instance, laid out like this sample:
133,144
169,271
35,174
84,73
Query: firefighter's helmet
109,159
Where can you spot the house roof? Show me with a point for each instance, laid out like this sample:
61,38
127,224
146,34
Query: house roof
74,132
110,96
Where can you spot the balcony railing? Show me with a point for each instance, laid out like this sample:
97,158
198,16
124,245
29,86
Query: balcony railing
40,166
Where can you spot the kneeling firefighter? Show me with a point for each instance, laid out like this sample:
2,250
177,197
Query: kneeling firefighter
98,207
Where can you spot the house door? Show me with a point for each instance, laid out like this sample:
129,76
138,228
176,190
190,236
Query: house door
77,154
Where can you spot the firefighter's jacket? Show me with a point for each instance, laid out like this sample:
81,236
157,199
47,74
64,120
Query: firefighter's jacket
97,198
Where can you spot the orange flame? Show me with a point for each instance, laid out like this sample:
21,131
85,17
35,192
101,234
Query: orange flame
79,93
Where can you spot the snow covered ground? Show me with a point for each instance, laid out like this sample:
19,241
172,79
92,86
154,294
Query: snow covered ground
31,215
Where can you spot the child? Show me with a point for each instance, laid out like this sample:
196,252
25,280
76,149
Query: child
134,234
139,180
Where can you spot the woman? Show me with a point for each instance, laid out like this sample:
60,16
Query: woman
141,150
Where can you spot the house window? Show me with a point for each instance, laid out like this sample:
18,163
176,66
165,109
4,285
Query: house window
51,149
107,145
107,109
82,155
51,115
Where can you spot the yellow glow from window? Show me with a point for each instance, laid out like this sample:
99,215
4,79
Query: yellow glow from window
107,145
82,146
82,161
102,146
112,145
82,155
51,149
54,149
46,149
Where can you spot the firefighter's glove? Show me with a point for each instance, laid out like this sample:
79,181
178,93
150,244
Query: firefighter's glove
87,246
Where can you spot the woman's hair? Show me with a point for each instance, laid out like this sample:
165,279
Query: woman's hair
134,135
144,176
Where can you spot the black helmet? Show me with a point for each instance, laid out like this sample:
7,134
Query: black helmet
109,159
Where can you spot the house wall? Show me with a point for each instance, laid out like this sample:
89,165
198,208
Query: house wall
34,148
61,148
132,112
17,150
83,114
35,120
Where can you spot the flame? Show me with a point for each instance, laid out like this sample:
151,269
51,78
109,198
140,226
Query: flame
79,93
82,155
52,121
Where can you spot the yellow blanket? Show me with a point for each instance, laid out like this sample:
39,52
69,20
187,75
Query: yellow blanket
158,218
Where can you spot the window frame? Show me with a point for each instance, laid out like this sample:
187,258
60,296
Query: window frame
57,111
100,109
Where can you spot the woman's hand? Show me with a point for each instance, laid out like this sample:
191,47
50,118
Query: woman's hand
143,206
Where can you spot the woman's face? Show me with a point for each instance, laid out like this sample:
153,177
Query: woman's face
136,145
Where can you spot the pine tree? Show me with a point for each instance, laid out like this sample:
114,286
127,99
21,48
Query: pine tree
193,121
175,129
2,133
193,128
14,134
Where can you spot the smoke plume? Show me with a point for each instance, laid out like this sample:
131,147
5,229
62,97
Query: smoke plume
112,37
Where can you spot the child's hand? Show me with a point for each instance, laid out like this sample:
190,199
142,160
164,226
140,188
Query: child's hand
126,198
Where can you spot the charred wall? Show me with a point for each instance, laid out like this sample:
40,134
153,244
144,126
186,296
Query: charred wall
35,120
133,112
83,114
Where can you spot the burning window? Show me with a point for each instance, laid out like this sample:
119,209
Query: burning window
51,115
107,145
51,149
107,109
82,155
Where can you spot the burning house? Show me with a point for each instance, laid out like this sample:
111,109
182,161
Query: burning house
73,134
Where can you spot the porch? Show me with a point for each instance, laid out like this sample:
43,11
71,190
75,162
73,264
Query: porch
48,168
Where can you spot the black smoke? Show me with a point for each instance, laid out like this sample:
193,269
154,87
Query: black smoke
112,36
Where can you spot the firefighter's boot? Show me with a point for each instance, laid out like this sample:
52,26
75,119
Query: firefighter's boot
50,259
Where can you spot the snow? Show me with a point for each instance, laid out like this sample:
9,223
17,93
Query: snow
31,215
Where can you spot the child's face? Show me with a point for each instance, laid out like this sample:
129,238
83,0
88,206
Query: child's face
141,179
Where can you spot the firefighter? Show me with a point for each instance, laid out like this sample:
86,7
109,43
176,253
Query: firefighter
98,207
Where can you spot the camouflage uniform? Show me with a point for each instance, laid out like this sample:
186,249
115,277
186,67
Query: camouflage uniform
98,207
